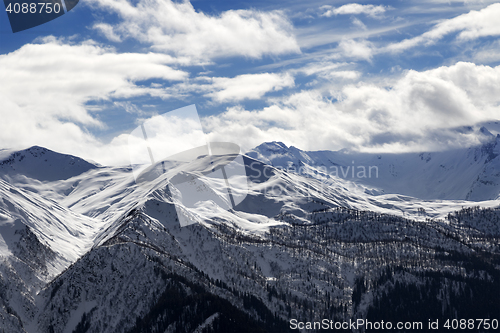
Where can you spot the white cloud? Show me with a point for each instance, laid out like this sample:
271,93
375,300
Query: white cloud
351,48
488,54
320,67
248,86
357,22
129,107
348,75
418,112
107,31
472,25
178,29
332,71
236,89
354,9
44,89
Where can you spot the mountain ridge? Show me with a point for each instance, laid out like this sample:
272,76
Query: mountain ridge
300,245
429,176
42,164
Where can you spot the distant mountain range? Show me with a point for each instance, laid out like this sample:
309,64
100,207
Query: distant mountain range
42,164
83,248
460,174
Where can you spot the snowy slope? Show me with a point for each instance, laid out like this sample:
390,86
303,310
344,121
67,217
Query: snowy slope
462,174
66,233
298,241
99,197
290,263
38,240
72,215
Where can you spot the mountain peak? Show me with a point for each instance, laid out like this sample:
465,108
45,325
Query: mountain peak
483,130
412,174
43,164
273,146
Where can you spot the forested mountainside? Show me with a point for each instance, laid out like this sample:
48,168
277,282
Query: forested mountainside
340,264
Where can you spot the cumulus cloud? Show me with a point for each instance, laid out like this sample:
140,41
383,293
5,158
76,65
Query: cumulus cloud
177,28
418,112
248,86
45,87
354,9
469,26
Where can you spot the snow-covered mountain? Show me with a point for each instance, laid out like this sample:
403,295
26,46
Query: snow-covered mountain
86,249
461,174
41,164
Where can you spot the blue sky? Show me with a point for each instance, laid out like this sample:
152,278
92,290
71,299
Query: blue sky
370,76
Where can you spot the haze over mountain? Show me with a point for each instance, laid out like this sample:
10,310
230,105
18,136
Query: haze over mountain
460,174
85,249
